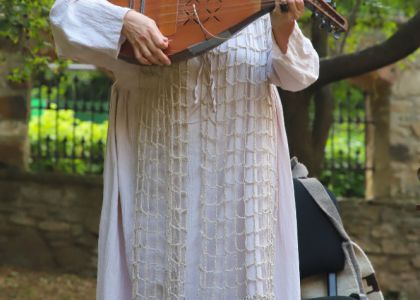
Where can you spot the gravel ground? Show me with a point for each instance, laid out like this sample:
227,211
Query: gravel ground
21,284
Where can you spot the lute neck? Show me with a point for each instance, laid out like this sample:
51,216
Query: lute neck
268,5
321,8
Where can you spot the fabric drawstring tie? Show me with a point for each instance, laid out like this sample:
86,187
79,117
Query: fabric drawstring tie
198,85
208,67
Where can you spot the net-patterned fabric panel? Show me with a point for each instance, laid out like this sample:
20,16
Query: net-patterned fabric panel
238,175
160,225
238,170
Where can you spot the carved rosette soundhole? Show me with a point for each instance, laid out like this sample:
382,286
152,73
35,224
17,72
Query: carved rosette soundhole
209,12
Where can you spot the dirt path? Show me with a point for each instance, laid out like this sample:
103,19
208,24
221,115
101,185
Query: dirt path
21,284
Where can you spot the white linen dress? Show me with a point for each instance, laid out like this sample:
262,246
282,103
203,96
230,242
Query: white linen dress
198,196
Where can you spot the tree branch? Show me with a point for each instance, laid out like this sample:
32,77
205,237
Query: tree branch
404,42
352,22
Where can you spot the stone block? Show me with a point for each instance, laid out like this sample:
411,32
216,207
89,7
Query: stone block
411,223
407,276
88,240
378,261
401,132
385,230
413,237
54,197
413,289
394,247
58,236
74,215
94,261
413,247
416,262
408,84
72,258
92,222
399,265
76,230
415,128
389,281
13,154
13,107
39,211
357,211
400,106
369,245
7,228
28,249
22,219
59,243
31,191
388,215
355,230
54,226
400,152
5,208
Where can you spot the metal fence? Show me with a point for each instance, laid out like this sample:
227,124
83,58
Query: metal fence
346,163
68,124
68,130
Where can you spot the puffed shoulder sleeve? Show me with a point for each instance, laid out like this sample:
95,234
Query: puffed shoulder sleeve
298,67
88,31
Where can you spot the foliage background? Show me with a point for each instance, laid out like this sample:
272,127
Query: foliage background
24,25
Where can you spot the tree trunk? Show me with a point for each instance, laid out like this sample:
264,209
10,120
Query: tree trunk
14,112
307,138
296,116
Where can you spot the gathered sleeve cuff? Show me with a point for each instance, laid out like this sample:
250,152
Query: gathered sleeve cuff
88,31
296,69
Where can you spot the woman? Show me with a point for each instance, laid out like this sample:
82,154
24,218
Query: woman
198,196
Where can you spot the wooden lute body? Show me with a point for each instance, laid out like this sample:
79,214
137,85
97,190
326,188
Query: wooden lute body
195,26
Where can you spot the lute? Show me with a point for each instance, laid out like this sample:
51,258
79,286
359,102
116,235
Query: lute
196,26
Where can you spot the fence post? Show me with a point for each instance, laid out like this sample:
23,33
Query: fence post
14,112
393,143
405,133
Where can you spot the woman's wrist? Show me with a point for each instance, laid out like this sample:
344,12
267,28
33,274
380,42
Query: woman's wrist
145,38
283,21
282,30
126,21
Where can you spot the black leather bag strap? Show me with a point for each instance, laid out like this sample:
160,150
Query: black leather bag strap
323,199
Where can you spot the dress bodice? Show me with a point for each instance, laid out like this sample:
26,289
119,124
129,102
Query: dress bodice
249,48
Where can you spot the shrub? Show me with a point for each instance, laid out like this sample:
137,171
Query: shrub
61,142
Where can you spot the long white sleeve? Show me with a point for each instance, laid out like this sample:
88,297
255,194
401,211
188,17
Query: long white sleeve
298,67
88,31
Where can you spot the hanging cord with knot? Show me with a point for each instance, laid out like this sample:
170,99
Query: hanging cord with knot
208,68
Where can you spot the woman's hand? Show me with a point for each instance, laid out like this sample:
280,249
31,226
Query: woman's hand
146,39
283,23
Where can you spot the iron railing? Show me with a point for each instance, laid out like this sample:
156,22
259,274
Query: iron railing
68,124
345,162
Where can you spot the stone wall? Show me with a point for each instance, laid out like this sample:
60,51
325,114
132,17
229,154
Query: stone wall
389,233
50,221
